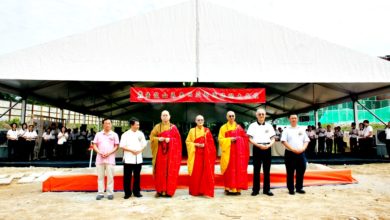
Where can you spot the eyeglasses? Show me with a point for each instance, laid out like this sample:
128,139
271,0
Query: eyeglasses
261,114
199,119
231,116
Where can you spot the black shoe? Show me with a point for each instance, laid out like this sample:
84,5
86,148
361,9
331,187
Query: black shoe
255,193
291,192
158,195
127,196
301,191
237,193
269,193
138,195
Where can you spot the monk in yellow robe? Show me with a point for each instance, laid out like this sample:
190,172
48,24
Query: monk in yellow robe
201,159
166,150
234,145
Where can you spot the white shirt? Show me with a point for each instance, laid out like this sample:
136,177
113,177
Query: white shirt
134,141
30,135
21,132
295,137
62,138
12,134
367,130
46,136
321,132
387,131
329,134
311,134
261,133
354,133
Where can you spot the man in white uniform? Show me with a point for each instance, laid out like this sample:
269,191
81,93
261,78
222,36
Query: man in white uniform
262,136
133,143
295,140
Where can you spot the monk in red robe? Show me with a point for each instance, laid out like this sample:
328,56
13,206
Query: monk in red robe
234,145
166,150
201,159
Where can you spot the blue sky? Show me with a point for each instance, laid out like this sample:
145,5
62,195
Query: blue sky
362,25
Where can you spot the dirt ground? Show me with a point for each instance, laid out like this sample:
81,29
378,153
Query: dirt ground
368,199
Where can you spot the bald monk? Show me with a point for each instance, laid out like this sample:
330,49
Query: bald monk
201,159
234,145
166,150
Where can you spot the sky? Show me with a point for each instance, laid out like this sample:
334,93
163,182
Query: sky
362,25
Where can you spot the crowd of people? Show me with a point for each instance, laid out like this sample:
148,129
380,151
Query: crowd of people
334,141
166,146
57,143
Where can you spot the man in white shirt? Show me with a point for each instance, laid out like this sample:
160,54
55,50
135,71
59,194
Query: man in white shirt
388,138
262,136
368,142
295,140
133,143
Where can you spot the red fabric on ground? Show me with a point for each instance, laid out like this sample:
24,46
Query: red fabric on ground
88,182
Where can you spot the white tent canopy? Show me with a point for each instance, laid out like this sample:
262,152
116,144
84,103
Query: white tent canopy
193,42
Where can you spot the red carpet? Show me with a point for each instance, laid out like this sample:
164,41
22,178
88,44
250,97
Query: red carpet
88,182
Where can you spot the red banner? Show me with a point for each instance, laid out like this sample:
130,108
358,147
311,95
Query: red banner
197,94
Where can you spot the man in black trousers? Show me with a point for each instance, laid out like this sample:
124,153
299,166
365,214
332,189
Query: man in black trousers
295,140
262,136
133,143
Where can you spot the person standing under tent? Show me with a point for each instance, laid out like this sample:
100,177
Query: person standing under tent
201,159
166,150
234,145
132,143
262,136
295,140
105,145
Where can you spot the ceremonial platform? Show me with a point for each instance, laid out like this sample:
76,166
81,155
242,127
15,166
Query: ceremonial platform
85,179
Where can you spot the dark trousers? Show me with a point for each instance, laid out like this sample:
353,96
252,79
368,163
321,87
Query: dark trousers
12,145
339,144
321,145
128,171
388,147
29,154
329,146
295,163
261,157
353,145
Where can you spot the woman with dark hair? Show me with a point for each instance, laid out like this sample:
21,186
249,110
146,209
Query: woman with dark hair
12,137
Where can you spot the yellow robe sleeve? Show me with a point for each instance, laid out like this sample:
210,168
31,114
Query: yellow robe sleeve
154,143
224,144
190,150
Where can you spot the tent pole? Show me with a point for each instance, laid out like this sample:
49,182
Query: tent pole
355,112
23,112
372,113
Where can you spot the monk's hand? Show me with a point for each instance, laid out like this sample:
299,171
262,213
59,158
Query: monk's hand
199,145
161,139
167,140
233,139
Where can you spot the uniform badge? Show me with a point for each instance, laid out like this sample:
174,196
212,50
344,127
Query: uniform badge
266,131
300,133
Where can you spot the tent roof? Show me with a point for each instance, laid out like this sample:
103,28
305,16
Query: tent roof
180,43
